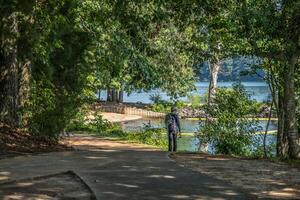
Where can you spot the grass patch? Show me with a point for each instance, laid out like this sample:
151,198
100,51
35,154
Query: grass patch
102,128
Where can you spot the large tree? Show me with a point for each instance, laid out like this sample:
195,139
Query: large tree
65,50
272,30
15,15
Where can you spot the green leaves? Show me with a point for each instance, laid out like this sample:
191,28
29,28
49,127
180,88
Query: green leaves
230,127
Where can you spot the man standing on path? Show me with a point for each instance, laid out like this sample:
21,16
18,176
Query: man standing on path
173,126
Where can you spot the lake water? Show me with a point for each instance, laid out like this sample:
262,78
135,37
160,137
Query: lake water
258,91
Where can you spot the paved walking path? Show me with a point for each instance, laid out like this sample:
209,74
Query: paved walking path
119,170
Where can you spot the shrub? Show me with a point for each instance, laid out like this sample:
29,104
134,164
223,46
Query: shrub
45,114
101,125
165,106
149,135
80,121
195,100
228,127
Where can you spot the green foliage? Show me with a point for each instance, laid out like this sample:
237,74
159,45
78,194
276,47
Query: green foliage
156,98
60,74
77,54
74,47
40,110
100,124
84,121
259,152
195,100
150,135
46,113
180,104
229,128
164,106
79,122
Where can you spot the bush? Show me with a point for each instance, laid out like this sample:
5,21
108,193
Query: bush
101,125
80,122
229,128
46,114
150,135
96,125
162,106
165,106
195,100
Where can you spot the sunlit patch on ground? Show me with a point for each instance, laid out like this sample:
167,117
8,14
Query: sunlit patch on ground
4,176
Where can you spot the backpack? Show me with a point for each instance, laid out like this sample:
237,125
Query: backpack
172,124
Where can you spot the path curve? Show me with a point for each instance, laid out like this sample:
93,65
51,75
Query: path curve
120,170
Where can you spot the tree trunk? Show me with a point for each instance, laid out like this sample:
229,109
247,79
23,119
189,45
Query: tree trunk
121,96
290,121
109,95
266,131
25,75
282,142
214,70
115,95
9,74
99,95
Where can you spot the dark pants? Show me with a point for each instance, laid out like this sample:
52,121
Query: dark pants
172,142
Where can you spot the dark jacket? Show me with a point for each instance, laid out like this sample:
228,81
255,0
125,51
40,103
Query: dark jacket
177,121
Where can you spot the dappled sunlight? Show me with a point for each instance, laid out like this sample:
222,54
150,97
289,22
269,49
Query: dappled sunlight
272,181
229,192
27,197
285,193
105,144
162,176
178,196
114,172
152,167
126,185
24,184
66,185
4,176
102,150
126,166
262,177
95,157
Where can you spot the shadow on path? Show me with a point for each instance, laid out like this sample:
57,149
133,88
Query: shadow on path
122,171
